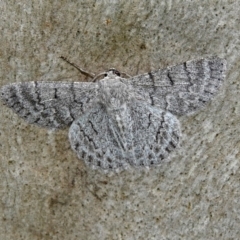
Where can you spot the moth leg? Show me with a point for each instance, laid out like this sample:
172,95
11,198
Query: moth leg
92,75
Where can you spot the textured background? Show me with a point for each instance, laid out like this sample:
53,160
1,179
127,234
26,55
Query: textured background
47,193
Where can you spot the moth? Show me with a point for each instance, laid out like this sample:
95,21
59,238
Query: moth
117,121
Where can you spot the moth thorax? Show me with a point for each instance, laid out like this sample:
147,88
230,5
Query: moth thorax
114,95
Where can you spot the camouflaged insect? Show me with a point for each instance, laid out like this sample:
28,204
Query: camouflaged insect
118,122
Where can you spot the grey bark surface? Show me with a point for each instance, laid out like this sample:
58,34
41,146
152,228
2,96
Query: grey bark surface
46,192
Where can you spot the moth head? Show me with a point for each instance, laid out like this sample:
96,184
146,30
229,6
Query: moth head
112,72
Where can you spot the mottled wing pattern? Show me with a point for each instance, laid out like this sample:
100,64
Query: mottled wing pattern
184,88
49,104
114,126
141,137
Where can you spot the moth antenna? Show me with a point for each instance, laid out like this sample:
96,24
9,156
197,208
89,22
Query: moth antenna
91,75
